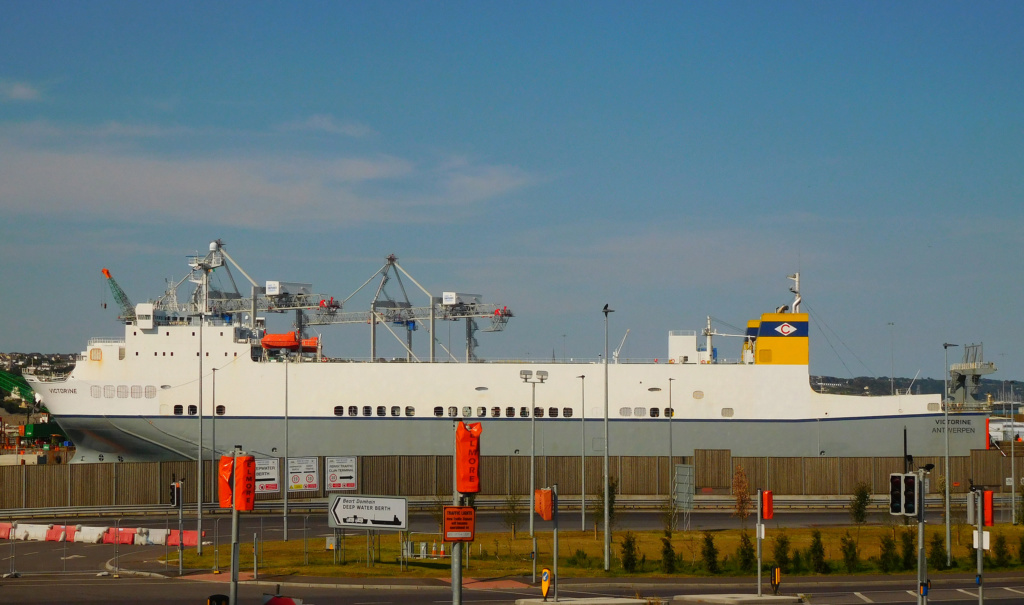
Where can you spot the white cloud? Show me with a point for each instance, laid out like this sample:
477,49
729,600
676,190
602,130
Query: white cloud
327,124
19,91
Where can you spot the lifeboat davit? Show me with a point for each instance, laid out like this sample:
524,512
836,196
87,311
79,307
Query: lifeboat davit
290,341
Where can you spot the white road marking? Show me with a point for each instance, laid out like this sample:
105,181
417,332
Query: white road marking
863,598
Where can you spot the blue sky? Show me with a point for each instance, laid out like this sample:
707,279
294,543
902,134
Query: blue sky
675,160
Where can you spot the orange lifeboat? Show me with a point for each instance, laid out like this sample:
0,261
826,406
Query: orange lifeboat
290,341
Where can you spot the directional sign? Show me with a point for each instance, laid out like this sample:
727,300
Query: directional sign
341,473
368,512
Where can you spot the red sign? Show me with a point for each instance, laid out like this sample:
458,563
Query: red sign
236,482
467,462
459,523
767,505
542,503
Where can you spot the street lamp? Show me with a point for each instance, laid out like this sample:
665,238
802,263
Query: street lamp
527,376
583,452
945,430
892,373
607,516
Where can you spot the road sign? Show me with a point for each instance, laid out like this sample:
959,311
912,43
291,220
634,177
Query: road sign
368,512
459,523
341,472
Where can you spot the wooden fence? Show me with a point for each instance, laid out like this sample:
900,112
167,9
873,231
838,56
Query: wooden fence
141,483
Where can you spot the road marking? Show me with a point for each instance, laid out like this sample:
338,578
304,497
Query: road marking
967,592
862,597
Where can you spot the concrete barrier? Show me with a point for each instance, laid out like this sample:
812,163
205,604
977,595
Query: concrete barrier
91,535
119,535
153,536
32,532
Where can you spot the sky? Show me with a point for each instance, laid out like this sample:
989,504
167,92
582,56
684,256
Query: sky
672,159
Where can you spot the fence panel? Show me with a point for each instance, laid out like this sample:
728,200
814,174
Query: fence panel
786,476
821,476
853,471
756,469
713,469
379,475
563,471
48,486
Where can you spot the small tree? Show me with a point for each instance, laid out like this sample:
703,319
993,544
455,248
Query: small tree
709,553
746,554
780,551
816,554
741,492
1000,551
597,510
629,552
668,554
512,512
859,505
1020,550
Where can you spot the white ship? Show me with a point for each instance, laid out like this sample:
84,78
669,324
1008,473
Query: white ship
205,371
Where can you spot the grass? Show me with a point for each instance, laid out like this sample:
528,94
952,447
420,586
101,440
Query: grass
581,554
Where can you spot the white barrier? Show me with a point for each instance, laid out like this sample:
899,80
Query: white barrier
155,536
31,532
90,535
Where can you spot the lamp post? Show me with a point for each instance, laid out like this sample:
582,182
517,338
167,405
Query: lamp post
583,452
945,430
671,454
199,469
527,376
892,365
607,516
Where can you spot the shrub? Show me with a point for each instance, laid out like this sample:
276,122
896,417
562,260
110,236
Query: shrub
709,553
780,552
579,559
1000,552
859,503
668,554
1020,548
851,554
629,552
741,492
888,560
797,564
937,552
816,554
746,554
908,550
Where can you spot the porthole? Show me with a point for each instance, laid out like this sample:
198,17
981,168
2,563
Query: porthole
178,410
439,411
510,412
382,410
625,412
192,410
567,412
367,410
96,391
396,410
410,410
453,411
655,412
150,392
933,407
95,355
552,412
538,412
670,413
524,412
727,412
640,412
481,412
108,391
353,410
122,391
496,412
220,410
467,412
698,394
136,391
339,410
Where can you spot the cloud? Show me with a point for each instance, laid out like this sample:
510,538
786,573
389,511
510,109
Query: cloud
269,192
327,124
19,91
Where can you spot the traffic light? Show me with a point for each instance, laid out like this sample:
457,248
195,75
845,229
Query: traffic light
467,461
895,494
910,495
176,493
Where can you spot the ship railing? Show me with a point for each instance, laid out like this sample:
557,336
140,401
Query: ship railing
106,341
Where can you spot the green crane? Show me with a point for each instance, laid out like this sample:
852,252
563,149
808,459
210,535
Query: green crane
127,308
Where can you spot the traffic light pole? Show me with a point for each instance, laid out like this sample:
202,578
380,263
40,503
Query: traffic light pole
758,530
922,561
456,501
979,498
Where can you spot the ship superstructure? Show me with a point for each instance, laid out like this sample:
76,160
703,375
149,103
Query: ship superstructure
209,361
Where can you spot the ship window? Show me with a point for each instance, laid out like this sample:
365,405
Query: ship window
538,412
698,394
136,353
655,412
367,410
96,391
95,354
108,391
193,333
353,410
640,412
670,413
453,411
396,410
553,412
439,411
467,412
510,412
625,412
495,412
220,410
150,392
192,409
165,354
933,407
524,412
172,353
225,353
154,354
236,353
122,391
481,412
178,410
410,411
222,333
727,412
339,410
567,412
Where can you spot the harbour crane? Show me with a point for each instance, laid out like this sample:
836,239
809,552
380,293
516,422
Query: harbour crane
127,308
